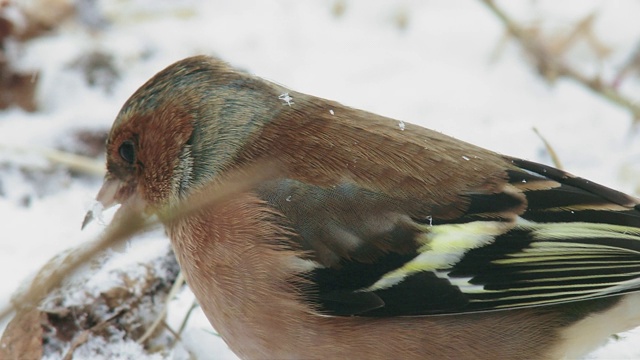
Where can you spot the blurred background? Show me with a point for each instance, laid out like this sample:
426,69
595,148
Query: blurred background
549,81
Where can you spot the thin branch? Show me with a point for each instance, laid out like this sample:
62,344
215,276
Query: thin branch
554,156
83,337
160,317
185,320
631,65
551,66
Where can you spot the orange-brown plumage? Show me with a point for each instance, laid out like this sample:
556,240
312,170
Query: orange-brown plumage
370,239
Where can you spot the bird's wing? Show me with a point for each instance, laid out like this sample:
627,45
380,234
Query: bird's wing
407,221
546,238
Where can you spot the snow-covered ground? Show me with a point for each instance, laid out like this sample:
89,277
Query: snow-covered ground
425,62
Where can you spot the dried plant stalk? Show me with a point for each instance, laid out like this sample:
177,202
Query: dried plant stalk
552,153
126,224
551,66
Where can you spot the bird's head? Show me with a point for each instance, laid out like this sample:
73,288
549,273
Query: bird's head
180,130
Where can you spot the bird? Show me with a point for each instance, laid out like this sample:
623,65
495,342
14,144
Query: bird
369,237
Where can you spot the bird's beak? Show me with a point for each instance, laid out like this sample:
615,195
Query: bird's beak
106,197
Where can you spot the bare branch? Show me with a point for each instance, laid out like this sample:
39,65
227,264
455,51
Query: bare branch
551,66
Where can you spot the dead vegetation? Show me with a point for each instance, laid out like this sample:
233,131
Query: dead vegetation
44,324
547,54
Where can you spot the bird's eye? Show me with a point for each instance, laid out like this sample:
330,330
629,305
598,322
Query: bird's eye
127,152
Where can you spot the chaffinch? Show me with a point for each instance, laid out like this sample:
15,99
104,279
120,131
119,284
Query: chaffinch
372,239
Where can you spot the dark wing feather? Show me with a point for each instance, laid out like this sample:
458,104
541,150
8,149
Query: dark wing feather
412,222
546,238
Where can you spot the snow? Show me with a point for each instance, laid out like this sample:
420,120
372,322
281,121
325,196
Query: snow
286,99
428,63
97,348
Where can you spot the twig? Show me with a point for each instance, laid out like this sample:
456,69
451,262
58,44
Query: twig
554,156
83,337
160,318
129,222
72,161
632,64
551,66
178,334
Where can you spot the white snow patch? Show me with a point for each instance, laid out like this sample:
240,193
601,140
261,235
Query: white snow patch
286,98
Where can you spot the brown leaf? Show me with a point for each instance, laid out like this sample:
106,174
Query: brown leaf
6,28
17,88
22,339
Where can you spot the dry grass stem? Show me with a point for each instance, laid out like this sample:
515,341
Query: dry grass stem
128,222
74,162
183,325
160,318
554,156
83,337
